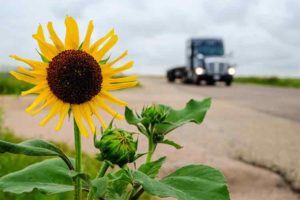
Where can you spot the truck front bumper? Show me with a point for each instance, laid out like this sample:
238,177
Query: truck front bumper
215,77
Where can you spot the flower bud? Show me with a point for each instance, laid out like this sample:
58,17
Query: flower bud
153,115
117,146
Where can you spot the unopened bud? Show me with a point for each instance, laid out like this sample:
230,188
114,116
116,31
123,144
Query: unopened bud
117,146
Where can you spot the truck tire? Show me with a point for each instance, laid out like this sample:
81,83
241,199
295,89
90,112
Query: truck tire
211,82
186,80
171,76
171,79
228,83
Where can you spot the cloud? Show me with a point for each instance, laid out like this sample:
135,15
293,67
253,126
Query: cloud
264,35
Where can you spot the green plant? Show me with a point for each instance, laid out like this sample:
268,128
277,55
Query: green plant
117,148
9,85
271,81
12,162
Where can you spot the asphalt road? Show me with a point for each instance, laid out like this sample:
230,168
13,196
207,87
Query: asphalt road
275,101
259,125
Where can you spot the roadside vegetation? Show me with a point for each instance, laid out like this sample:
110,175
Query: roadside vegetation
271,81
10,163
10,85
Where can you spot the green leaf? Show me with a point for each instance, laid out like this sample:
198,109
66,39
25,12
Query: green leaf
171,143
119,183
194,111
193,182
152,168
35,147
48,177
102,62
99,187
130,117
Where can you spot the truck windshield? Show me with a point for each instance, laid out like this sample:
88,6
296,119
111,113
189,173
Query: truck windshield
209,47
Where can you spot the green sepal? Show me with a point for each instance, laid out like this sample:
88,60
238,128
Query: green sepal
80,46
102,62
44,59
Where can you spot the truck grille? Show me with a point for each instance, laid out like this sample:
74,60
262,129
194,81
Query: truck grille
216,68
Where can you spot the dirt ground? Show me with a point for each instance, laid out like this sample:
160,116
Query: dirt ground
256,124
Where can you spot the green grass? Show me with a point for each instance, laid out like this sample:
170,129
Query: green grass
10,163
270,81
10,85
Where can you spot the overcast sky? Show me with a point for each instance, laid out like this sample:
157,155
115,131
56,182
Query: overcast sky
263,35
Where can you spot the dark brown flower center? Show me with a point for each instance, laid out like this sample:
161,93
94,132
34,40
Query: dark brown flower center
74,76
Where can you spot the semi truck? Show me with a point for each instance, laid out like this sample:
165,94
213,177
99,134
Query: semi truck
206,63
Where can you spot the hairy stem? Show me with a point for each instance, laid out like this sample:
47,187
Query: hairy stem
78,183
151,148
103,169
137,195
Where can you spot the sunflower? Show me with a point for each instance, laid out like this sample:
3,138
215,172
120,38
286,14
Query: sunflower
74,76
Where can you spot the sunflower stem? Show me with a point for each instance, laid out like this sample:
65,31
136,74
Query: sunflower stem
151,148
78,183
103,169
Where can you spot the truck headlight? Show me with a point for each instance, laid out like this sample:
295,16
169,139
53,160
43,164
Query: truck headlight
199,71
231,71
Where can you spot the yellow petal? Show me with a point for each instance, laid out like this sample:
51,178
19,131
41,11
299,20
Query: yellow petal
40,32
96,45
119,86
118,58
120,69
77,115
36,89
48,50
55,39
53,111
50,100
123,79
23,77
95,112
86,112
35,73
40,98
63,113
111,98
107,46
87,39
72,33
105,107
37,65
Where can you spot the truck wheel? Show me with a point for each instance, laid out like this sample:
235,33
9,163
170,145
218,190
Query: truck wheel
228,83
171,79
185,80
211,82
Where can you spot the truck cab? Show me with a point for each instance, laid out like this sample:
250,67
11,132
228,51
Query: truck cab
206,61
